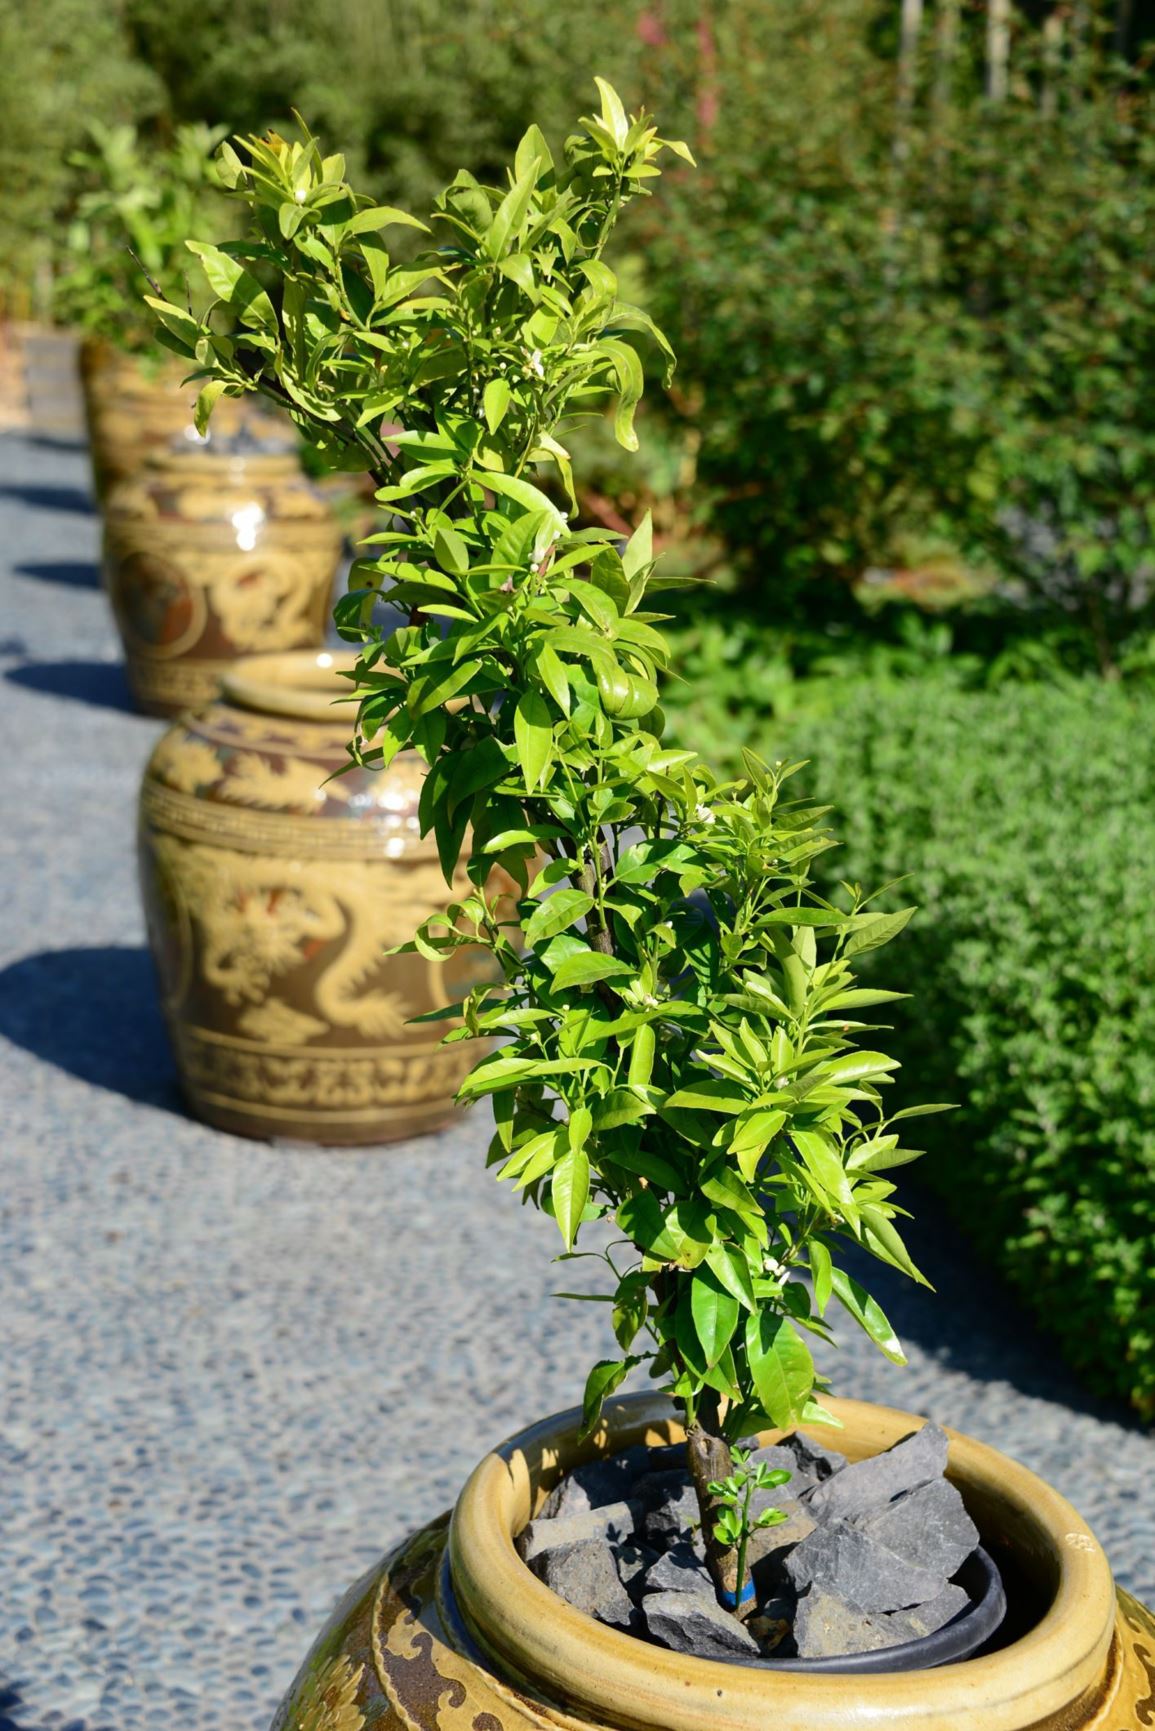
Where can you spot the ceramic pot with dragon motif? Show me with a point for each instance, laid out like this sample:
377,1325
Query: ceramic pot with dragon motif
271,893
137,405
214,554
452,1632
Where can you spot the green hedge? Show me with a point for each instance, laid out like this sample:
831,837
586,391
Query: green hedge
1026,819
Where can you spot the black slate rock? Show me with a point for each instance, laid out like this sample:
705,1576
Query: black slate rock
612,1523
633,1562
679,1570
841,1560
770,1547
928,1527
869,1484
596,1483
586,1577
696,1623
826,1627
671,1517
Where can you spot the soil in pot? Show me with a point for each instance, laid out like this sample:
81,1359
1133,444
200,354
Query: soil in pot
876,1566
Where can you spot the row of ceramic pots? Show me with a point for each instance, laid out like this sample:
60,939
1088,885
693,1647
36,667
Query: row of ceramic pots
214,547
271,891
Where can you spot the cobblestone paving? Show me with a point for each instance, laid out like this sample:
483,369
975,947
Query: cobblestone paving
233,1374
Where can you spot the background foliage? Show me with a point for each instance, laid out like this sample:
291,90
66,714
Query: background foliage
1024,819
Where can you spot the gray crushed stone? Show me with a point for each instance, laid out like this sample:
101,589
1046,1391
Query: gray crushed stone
227,1367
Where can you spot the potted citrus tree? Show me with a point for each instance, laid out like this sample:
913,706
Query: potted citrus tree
214,546
138,204
683,1067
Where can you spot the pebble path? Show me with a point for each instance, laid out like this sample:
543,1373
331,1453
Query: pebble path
231,1374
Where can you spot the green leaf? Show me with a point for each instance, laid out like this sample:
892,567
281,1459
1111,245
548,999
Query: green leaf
432,690
587,967
880,1236
553,676
710,1095
871,931
206,402
715,1313
496,1073
822,1272
495,403
732,1270
642,1051
781,1368
556,914
570,1189
231,283
867,1312
451,550
382,216
822,1161
613,114
533,731
630,381
639,549
523,493
821,918
601,1382
473,770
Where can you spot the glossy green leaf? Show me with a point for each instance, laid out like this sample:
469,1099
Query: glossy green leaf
533,731
867,1312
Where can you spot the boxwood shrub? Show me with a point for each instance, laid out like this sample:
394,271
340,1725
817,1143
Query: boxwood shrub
1027,820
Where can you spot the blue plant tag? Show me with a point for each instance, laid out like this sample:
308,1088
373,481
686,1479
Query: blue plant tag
731,1603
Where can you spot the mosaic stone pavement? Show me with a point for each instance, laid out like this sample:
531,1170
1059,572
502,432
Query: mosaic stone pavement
231,1374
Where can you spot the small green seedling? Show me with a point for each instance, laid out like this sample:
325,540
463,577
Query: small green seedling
734,1528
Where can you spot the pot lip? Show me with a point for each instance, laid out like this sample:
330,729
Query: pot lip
612,1677
301,684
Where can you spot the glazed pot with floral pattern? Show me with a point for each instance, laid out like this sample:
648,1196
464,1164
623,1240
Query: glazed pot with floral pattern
452,1632
214,554
271,893
136,405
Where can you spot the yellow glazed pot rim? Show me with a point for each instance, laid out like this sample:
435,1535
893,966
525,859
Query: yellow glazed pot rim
611,1678
302,684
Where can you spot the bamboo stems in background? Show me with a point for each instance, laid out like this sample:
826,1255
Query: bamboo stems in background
1123,13
945,47
908,56
1052,61
998,48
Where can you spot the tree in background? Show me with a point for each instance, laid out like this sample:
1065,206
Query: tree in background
63,64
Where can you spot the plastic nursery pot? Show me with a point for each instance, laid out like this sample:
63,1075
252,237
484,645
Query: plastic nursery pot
135,406
211,554
452,1632
270,894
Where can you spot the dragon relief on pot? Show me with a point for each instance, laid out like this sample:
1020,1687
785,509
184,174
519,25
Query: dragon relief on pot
273,893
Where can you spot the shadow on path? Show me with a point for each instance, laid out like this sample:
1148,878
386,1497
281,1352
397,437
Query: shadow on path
9,1704
94,1013
72,499
972,1322
76,573
65,443
99,683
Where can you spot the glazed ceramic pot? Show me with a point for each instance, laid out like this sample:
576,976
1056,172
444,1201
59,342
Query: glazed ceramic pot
210,555
270,894
136,406
452,1632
